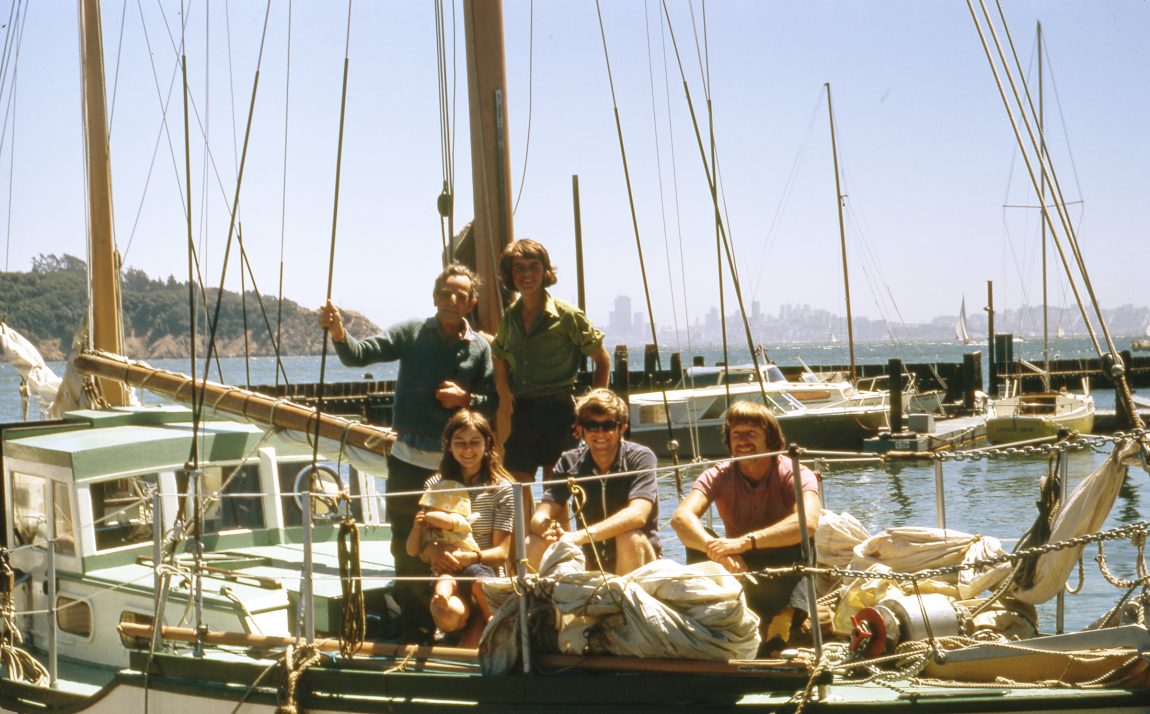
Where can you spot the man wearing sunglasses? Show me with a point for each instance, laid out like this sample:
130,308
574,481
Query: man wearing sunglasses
617,521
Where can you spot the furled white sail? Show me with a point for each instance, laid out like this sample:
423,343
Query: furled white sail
1084,511
41,381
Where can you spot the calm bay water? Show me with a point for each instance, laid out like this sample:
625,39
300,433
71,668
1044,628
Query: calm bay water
989,497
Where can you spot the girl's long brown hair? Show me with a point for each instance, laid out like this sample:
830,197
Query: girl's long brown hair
492,465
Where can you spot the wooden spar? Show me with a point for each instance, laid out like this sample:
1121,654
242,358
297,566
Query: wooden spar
244,639
105,330
260,408
415,652
490,167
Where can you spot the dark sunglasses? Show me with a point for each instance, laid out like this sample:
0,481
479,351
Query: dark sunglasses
594,426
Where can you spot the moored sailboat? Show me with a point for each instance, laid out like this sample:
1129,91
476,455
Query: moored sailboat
1038,415
960,332
230,671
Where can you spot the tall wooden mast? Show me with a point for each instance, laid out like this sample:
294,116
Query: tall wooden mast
104,326
490,168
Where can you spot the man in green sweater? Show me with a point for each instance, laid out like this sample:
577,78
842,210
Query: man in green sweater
444,365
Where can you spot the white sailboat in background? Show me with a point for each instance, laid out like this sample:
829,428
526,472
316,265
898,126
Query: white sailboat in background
1021,416
960,332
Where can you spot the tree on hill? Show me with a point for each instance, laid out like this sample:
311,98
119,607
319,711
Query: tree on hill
49,304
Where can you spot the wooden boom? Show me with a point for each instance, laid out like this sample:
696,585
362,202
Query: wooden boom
270,411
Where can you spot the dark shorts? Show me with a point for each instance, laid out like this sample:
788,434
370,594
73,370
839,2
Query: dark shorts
769,597
476,570
541,430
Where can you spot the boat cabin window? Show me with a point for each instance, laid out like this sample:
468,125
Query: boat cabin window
74,616
65,531
30,512
240,507
122,511
135,618
774,374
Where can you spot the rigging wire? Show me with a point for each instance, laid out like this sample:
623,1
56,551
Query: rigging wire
722,230
12,40
693,430
244,309
283,207
214,323
530,100
246,264
161,134
446,200
692,426
1116,369
705,69
784,199
205,147
116,73
1026,117
334,223
197,407
672,444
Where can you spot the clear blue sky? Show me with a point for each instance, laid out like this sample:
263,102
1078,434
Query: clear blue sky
927,152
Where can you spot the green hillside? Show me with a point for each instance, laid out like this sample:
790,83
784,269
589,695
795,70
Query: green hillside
48,306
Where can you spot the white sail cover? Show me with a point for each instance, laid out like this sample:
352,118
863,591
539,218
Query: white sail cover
41,380
1084,511
662,609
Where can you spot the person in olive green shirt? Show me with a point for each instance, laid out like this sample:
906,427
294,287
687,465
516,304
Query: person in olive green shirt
537,353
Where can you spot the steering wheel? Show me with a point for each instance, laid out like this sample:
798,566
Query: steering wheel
324,485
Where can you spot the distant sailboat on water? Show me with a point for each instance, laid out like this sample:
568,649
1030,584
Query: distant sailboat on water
960,332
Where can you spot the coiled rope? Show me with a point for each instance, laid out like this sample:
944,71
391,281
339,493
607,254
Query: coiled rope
354,618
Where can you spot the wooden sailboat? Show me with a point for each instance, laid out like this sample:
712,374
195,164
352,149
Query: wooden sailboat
252,582
94,498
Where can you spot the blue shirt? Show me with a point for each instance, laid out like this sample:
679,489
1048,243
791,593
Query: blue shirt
606,496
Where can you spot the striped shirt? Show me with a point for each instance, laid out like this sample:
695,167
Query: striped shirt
492,508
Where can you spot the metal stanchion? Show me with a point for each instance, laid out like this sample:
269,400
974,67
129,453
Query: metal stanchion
307,585
53,625
520,536
195,484
1062,466
157,578
808,552
939,494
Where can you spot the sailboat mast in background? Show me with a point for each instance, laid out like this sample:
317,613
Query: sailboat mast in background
104,325
842,238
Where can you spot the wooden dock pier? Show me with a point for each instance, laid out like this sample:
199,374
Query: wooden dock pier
372,400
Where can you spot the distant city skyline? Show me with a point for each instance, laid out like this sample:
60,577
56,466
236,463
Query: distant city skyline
804,323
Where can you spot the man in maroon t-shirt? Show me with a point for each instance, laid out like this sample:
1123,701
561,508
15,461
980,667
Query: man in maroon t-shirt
755,498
